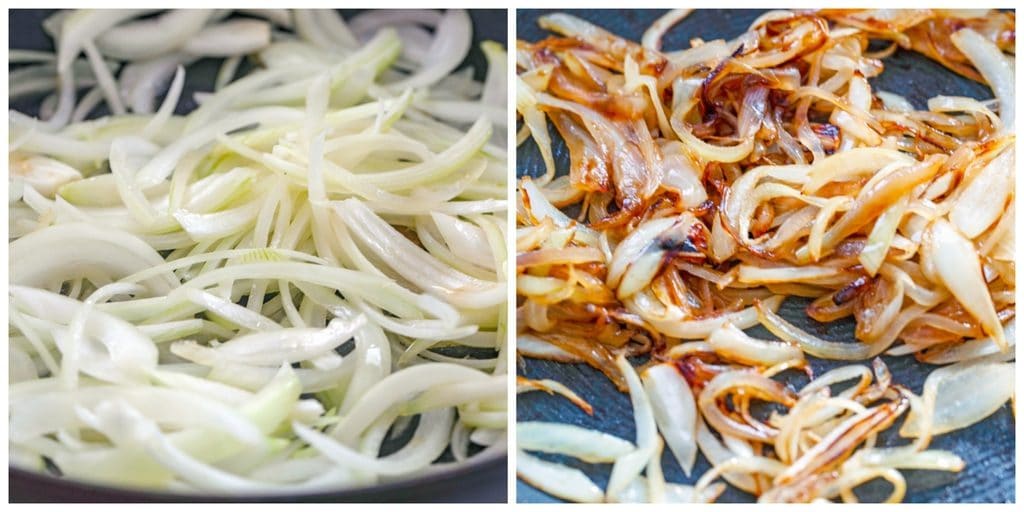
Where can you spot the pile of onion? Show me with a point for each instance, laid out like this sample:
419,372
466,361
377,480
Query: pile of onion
707,185
298,286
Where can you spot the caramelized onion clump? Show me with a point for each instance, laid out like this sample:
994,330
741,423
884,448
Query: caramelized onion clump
706,185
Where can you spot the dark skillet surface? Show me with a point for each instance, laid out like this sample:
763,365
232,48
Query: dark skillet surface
987,447
482,481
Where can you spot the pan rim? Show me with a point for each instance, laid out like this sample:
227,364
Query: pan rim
109,493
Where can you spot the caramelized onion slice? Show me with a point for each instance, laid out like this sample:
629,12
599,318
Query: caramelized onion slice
841,441
972,349
552,387
748,383
532,346
674,322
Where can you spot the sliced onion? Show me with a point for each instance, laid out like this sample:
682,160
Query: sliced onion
228,38
274,347
551,387
902,458
581,443
415,264
674,322
532,346
751,274
629,466
557,480
44,174
983,201
813,345
962,395
850,165
452,39
637,492
718,454
652,36
840,441
742,382
638,258
110,349
972,349
152,37
876,248
40,259
956,264
675,411
996,68
736,345
894,102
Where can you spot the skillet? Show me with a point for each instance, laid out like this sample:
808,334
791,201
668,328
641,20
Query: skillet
987,447
479,481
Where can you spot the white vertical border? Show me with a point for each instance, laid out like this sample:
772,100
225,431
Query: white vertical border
510,245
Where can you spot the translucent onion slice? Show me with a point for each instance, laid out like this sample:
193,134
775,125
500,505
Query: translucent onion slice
842,440
532,346
961,395
904,458
40,259
652,36
812,344
152,37
629,466
415,264
560,438
735,345
996,68
718,454
272,348
675,411
229,38
849,165
558,480
452,40
983,201
955,262
110,349
539,208
44,174
637,492
876,248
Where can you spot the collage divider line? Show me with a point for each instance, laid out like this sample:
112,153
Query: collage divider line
510,352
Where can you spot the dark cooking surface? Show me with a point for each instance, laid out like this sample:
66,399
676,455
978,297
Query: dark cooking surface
484,481
987,447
